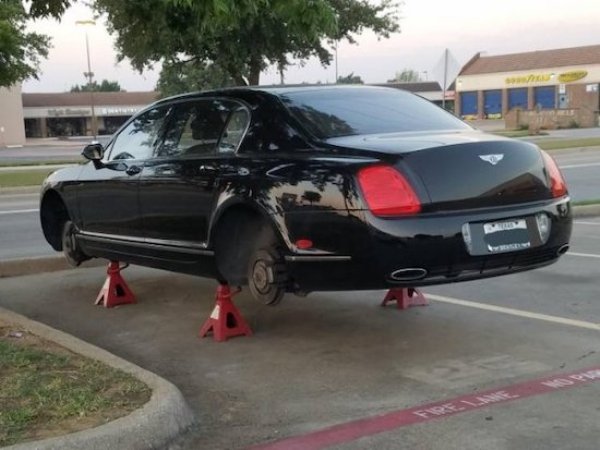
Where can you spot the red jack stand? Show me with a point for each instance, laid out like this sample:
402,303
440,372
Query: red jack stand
405,298
115,291
225,321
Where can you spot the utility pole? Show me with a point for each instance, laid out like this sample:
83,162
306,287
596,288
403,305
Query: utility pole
336,62
445,78
90,76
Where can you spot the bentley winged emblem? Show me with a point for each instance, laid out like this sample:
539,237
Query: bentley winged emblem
492,159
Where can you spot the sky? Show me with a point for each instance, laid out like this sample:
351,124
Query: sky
428,27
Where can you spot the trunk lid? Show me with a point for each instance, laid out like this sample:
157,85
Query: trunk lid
452,171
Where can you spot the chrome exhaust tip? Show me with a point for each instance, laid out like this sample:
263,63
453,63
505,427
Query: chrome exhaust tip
562,249
409,274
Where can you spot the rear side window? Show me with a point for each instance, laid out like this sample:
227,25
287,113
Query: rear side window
137,140
195,128
329,113
234,131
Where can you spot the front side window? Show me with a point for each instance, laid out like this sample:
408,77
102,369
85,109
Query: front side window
138,139
195,128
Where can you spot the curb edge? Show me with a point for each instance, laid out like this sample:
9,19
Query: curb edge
163,418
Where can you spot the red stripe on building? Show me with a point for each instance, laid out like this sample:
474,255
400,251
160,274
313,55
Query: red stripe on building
350,431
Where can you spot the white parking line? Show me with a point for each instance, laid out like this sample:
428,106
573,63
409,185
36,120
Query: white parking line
581,222
515,312
583,255
18,211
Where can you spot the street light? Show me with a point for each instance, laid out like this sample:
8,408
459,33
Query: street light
89,74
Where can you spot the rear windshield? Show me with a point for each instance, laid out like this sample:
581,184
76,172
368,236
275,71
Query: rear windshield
328,113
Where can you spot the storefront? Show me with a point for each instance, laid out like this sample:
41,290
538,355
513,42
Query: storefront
490,87
70,114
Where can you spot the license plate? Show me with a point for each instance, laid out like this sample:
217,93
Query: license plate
495,227
506,236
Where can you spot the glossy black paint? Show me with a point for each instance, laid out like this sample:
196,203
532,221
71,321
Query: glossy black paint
164,211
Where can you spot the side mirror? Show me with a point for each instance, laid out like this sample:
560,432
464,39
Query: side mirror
93,152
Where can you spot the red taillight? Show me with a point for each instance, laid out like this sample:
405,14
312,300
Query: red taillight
387,192
557,182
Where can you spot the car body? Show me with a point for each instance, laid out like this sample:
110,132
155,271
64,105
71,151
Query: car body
299,189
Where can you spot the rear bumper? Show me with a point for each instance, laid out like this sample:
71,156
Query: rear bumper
375,248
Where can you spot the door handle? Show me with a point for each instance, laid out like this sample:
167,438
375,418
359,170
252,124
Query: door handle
210,169
133,170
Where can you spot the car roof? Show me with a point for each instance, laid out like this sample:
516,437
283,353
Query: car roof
275,90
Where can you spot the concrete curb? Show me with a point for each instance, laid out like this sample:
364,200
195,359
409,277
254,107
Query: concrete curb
154,425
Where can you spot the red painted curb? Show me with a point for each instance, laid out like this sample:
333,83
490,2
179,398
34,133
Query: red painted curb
350,431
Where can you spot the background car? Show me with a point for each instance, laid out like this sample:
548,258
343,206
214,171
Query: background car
297,189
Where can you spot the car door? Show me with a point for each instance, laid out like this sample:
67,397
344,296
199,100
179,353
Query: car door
178,186
108,198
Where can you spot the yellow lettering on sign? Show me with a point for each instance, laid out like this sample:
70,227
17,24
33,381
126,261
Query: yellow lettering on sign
530,78
574,75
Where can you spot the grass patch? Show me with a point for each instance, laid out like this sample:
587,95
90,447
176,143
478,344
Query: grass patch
595,201
46,391
24,177
556,144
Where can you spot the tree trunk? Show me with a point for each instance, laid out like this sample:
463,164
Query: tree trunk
254,76
238,78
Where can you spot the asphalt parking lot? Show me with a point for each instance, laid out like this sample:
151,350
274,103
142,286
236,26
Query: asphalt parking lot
338,358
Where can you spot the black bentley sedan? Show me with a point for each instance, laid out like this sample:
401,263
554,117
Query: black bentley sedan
299,189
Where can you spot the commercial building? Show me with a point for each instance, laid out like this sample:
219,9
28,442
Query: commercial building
11,117
70,114
558,88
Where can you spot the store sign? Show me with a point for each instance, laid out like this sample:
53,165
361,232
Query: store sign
119,111
68,112
530,78
569,77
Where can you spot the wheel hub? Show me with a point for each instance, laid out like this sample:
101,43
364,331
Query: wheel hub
260,276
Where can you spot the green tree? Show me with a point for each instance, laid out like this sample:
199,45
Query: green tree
350,79
104,86
48,8
177,78
20,51
241,37
406,76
